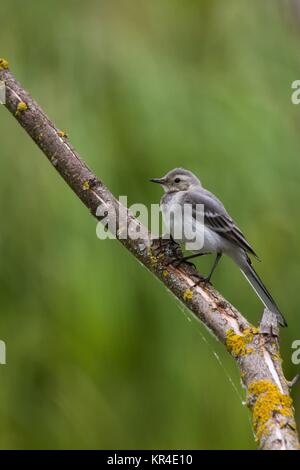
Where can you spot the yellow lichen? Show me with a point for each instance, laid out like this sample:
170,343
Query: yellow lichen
187,295
165,273
153,260
62,134
238,344
267,401
21,107
85,185
3,64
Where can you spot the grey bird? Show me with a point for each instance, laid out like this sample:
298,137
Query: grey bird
221,234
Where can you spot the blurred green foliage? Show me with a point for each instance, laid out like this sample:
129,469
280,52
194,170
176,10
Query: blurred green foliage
99,355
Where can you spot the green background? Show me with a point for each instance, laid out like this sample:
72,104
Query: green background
99,355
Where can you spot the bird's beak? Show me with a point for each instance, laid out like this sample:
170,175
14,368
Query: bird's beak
158,180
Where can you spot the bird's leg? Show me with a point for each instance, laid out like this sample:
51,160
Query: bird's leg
217,260
208,278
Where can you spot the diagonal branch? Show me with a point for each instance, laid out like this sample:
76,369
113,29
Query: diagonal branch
257,354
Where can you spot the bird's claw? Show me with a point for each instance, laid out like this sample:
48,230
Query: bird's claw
201,280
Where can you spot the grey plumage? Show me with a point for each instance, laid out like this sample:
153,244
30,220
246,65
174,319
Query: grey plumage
221,233
216,217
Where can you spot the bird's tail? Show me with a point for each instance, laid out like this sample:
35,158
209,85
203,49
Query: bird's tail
261,290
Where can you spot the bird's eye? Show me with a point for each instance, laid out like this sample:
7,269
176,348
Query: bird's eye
177,180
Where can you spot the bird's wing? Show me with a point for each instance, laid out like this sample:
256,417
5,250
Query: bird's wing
217,218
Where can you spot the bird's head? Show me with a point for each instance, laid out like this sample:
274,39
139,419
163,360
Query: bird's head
178,179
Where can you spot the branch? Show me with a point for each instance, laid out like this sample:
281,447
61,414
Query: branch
256,353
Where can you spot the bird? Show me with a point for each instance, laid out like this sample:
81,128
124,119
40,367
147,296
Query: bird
221,235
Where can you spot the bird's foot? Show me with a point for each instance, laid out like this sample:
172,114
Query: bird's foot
176,262
201,280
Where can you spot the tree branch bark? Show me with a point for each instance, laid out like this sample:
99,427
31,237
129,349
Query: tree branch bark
257,354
